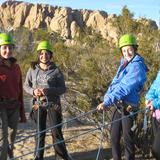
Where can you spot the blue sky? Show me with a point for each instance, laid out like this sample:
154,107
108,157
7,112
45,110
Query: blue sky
140,8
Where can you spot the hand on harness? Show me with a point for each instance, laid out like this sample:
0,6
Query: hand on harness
35,107
129,108
40,101
40,96
149,105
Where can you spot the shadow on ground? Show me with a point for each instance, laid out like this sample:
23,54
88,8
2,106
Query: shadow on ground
91,155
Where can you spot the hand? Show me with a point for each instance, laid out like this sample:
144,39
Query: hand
43,91
149,105
101,107
38,92
35,107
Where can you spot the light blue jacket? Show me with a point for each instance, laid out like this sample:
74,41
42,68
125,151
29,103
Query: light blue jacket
127,83
154,92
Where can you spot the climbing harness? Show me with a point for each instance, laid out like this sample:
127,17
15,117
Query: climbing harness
122,107
42,103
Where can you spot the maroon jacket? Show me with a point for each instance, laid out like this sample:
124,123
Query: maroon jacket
11,84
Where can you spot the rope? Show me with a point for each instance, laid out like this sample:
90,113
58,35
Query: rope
91,130
145,121
38,132
101,137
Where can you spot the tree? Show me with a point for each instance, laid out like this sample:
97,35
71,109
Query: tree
125,22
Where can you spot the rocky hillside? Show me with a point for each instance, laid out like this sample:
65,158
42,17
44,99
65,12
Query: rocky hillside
62,20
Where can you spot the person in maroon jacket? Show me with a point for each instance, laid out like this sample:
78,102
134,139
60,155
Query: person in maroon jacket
11,97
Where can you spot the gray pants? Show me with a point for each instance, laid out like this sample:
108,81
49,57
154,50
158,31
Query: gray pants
8,128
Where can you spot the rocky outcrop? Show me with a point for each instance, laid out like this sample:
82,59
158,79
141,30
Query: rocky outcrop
148,22
62,20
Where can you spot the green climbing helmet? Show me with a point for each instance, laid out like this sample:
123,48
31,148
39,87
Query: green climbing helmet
127,40
5,39
44,45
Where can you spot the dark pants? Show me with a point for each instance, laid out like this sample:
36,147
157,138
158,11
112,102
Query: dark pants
156,142
55,117
8,129
123,126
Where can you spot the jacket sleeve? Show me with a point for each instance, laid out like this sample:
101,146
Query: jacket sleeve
133,81
114,81
154,92
60,87
20,98
28,83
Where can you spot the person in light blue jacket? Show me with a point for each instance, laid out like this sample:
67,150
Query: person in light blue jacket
124,93
153,103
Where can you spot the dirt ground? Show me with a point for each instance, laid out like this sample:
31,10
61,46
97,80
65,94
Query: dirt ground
79,147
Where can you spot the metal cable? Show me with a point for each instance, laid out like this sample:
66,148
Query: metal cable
38,132
60,124
101,136
91,130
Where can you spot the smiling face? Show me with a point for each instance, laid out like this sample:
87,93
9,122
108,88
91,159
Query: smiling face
44,56
6,51
128,52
